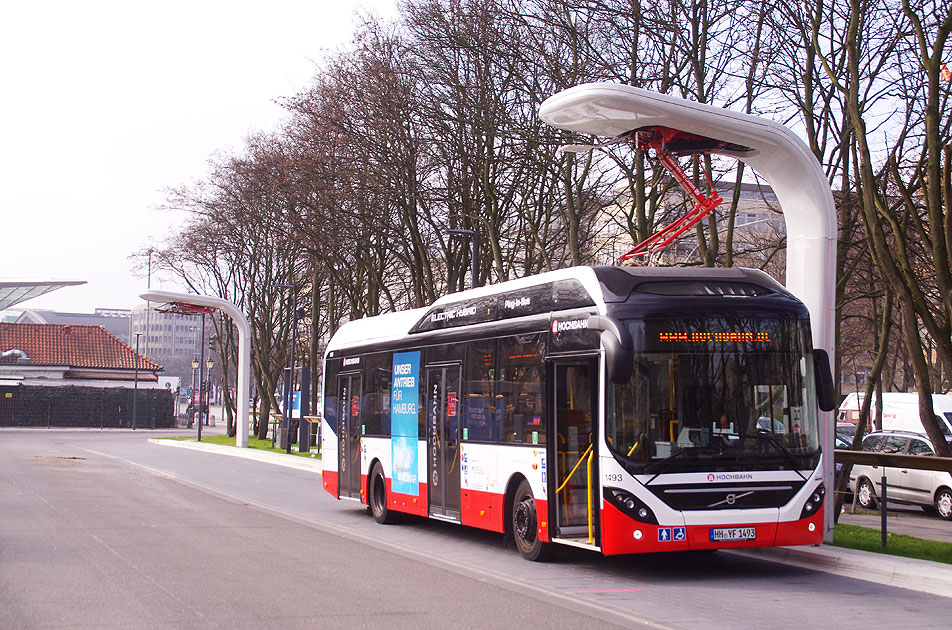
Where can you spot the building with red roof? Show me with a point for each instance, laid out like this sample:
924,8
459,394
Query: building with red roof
88,360
70,354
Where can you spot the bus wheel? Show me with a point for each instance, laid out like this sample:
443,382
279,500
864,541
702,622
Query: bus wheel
525,528
865,495
378,497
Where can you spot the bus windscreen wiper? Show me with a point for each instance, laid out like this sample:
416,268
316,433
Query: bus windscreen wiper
766,437
662,463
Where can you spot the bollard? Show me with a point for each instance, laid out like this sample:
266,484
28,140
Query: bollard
882,508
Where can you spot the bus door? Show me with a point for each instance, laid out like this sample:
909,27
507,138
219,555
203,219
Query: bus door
348,434
443,440
574,446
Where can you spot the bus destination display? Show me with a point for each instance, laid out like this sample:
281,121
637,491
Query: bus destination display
715,336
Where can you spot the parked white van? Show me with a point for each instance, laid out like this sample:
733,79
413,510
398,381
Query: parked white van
900,412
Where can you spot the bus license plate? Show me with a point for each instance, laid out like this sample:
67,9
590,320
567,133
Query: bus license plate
728,534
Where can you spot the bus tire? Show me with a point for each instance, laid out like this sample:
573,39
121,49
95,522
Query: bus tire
377,499
525,528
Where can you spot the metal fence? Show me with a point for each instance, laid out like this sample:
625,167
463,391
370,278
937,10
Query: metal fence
72,406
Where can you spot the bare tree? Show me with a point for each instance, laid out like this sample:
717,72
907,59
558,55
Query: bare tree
236,246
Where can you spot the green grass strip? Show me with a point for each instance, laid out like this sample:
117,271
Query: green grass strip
870,539
253,442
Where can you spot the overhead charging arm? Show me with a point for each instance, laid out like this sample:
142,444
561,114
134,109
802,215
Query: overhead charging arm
703,205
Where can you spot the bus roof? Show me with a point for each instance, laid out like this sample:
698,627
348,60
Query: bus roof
392,326
380,328
585,275
553,291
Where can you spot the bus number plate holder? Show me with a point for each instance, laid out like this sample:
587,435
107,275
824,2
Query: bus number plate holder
731,534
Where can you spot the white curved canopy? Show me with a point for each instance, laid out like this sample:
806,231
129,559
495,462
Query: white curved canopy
244,344
16,290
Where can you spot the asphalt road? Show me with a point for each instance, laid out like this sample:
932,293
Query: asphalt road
105,530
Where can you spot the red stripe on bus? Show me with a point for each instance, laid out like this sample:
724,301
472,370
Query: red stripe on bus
619,534
699,536
407,503
798,532
484,510
330,482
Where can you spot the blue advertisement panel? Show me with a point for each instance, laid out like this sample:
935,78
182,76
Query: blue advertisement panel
404,422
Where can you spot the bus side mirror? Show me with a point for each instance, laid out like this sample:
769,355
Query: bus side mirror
619,349
825,391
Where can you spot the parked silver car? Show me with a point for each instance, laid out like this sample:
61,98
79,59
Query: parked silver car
932,489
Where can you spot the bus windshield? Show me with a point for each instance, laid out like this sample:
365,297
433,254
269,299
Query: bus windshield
715,394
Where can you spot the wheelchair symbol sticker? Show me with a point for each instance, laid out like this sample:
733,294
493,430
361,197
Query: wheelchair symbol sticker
676,534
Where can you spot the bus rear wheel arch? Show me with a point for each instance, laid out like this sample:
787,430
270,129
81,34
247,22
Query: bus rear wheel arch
524,525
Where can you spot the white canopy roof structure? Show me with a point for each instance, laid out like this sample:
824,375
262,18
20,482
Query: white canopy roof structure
16,290
244,344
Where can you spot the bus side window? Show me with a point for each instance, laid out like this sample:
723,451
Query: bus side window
331,370
376,407
479,374
330,411
519,388
476,418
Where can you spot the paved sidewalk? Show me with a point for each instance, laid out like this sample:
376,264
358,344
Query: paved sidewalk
918,575
288,461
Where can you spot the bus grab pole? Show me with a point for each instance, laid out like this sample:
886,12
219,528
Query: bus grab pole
591,537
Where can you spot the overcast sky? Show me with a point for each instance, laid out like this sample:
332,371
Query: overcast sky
106,104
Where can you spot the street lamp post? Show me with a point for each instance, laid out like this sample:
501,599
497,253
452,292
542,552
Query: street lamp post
135,383
288,395
472,236
194,391
208,383
201,376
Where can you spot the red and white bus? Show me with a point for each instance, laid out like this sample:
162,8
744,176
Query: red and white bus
618,409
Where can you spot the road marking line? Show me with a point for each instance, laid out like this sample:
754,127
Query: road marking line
607,590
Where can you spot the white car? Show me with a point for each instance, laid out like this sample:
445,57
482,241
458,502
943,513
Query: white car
931,489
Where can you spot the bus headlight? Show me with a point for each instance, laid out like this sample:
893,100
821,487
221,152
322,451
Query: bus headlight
814,502
629,505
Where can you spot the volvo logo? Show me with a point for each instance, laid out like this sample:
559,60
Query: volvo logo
730,499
